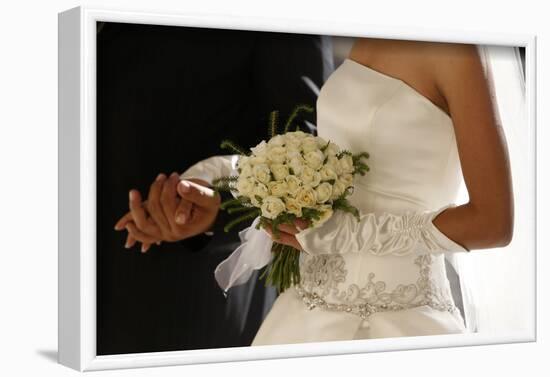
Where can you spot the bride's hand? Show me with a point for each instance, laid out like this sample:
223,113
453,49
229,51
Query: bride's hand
287,233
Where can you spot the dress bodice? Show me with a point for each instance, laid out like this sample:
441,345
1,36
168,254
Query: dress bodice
414,166
411,141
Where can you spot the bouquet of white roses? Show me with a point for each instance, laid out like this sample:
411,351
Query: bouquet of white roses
292,175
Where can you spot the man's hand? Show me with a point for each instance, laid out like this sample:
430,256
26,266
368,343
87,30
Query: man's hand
175,210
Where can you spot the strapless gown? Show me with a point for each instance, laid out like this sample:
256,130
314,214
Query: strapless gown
414,166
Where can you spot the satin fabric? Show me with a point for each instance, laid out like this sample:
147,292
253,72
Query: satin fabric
414,168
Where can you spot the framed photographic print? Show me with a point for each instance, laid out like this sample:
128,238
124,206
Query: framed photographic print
235,189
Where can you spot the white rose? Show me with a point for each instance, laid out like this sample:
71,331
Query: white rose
293,152
245,185
262,173
272,207
245,170
326,213
298,134
323,192
334,164
337,189
242,161
292,206
297,165
279,171
259,149
327,173
310,176
261,190
278,188
314,159
276,141
309,144
346,179
320,141
346,164
277,154
293,184
257,160
306,197
293,141
332,150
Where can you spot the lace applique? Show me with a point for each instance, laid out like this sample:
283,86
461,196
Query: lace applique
321,275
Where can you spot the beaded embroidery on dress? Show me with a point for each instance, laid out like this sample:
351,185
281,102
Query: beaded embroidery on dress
402,290
322,273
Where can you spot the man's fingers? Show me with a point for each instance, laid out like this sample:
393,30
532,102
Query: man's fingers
169,200
130,241
197,194
154,205
183,212
136,209
139,235
121,224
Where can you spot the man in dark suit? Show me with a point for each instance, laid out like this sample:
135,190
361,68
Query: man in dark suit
166,97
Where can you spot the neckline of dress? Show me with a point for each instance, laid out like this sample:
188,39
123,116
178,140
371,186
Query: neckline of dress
416,92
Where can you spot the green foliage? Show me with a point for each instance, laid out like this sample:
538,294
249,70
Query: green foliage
253,213
360,167
231,146
273,123
311,214
297,110
343,204
325,148
284,269
343,153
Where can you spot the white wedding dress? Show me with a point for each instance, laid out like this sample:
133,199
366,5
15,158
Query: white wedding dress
414,167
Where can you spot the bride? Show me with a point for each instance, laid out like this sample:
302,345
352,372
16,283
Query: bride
425,114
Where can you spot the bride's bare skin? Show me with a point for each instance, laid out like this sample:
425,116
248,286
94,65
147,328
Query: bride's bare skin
451,77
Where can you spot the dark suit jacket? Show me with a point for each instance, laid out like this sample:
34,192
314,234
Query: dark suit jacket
166,97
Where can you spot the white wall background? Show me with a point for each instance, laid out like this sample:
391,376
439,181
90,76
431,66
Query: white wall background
28,190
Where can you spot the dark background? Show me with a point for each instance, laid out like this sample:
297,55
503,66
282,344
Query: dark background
166,97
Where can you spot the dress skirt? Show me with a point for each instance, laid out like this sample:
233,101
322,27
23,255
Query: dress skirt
290,321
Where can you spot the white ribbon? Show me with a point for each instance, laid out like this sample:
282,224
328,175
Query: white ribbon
253,254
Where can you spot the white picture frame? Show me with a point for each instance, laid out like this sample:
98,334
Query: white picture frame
77,196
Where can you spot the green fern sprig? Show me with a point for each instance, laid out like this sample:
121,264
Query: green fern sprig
343,204
254,212
360,167
297,110
273,123
343,153
231,146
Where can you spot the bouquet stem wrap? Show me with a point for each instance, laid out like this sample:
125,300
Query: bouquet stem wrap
253,254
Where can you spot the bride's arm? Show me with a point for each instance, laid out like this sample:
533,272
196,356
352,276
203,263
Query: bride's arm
486,221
